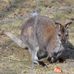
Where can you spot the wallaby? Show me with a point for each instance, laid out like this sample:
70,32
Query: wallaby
43,38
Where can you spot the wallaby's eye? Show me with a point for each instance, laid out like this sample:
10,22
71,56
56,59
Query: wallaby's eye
66,34
59,34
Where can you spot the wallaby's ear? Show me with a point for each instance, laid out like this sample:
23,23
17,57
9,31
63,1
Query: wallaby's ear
68,24
58,24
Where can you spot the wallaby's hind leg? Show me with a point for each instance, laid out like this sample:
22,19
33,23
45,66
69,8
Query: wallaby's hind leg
35,59
31,42
33,51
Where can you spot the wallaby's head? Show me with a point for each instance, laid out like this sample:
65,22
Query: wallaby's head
63,30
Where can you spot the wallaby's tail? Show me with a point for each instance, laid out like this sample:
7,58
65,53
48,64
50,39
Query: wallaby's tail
17,40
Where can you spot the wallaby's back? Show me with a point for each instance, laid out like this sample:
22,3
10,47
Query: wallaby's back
45,30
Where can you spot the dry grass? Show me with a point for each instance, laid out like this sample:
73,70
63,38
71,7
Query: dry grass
15,60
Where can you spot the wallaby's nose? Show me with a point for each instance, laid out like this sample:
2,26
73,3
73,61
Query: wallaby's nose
42,54
63,41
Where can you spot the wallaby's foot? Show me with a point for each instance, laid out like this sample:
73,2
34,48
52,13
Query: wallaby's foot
53,60
35,62
42,64
61,60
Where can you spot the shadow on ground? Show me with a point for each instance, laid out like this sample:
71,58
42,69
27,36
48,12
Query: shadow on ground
69,51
